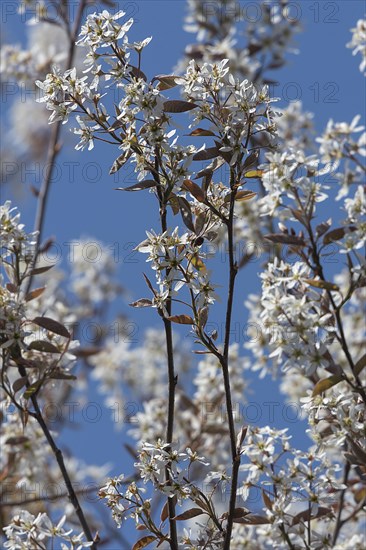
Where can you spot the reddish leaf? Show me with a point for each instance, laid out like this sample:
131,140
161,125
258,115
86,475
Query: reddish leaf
201,132
119,162
181,319
251,159
164,512
306,515
326,383
143,302
252,519
360,365
206,154
178,106
137,73
241,196
145,541
194,190
39,270
267,501
86,352
186,213
12,288
165,81
281,238
34,294
19,383
336,234
189,514
138,186
52,326
210,169
43,345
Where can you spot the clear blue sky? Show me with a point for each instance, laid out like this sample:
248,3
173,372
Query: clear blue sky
83,202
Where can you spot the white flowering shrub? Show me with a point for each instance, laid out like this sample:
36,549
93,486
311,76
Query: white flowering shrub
193,475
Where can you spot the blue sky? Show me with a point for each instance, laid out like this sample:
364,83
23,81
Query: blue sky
83,202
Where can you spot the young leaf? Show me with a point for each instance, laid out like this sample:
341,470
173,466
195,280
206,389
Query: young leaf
119,162
280,238
306,515
43,345
251,159
165,81
138,186
194,190
12,288
245,195
181,319
186,213
326,383
252,519
34,294
267,501
334,235
189,514
178,106
19,383
145,541
143,302
39,270
253,174
360,365
52,326
164,512
137,73
32,389
206,154
201,132
321,284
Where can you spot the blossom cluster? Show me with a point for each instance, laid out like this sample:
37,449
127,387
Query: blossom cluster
29,531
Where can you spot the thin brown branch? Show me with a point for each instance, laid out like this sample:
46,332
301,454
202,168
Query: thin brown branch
233,270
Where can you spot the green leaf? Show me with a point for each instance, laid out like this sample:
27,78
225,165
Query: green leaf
253,174
325,383
32,389
58,375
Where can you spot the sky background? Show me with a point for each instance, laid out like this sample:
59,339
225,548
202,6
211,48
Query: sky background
84,204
